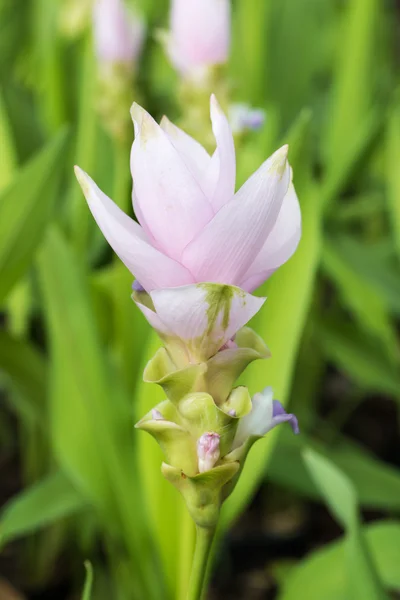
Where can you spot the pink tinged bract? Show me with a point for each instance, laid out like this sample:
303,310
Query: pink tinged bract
279,246
128,240
215,175
224,250
200,33
169,202
224,157
208,451
118,32
203,316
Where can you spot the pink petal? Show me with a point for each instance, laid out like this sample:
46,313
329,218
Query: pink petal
152,268
204,316
280,244
169,201
195,157
118,32
224,250
224,171
200,32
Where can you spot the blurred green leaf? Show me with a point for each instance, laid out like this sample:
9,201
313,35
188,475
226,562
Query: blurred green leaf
27,370
91,422
87,590
251,28
392,170
322,574
361,297
374,266
44,503
359,356
362,578
377,484
352,93
25,210
8,153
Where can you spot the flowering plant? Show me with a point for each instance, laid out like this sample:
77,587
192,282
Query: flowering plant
199,251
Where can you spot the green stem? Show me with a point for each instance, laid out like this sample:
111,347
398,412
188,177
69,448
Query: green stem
204,539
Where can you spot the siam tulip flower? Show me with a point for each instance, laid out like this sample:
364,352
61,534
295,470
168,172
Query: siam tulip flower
194,229
199,36
118,33
193,226
197,253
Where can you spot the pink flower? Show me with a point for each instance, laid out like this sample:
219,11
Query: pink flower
200,34
118,32
196,232
193,227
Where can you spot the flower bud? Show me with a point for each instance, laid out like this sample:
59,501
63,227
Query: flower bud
208,451
118,32
200,34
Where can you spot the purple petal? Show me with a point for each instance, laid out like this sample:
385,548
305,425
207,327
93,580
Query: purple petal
279,415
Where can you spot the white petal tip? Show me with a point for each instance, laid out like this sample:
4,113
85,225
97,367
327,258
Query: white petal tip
278,161
144,123
83,179
214,104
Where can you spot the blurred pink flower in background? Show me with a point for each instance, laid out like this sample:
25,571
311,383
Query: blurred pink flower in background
193,226
199,35
118,31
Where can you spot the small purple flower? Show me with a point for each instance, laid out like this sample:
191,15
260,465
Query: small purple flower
279,415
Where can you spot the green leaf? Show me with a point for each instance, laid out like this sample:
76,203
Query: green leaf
377,484
352,89
91,422
8,153
360,357
392,171
362,579
322,574
369,262
361,297
25,210
87,590
26,368
44,503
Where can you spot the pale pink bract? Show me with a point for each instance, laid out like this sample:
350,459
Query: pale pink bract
193,226
118,32
194,231
199,35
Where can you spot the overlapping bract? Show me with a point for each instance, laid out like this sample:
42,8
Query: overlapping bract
193,227
118,32
199,35
198,251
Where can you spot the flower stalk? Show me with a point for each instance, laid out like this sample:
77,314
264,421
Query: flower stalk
204,540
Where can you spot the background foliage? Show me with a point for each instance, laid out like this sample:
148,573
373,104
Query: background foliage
77,482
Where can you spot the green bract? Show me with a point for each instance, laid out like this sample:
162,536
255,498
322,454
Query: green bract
201,399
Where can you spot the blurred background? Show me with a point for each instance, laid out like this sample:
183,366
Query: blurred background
315,516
